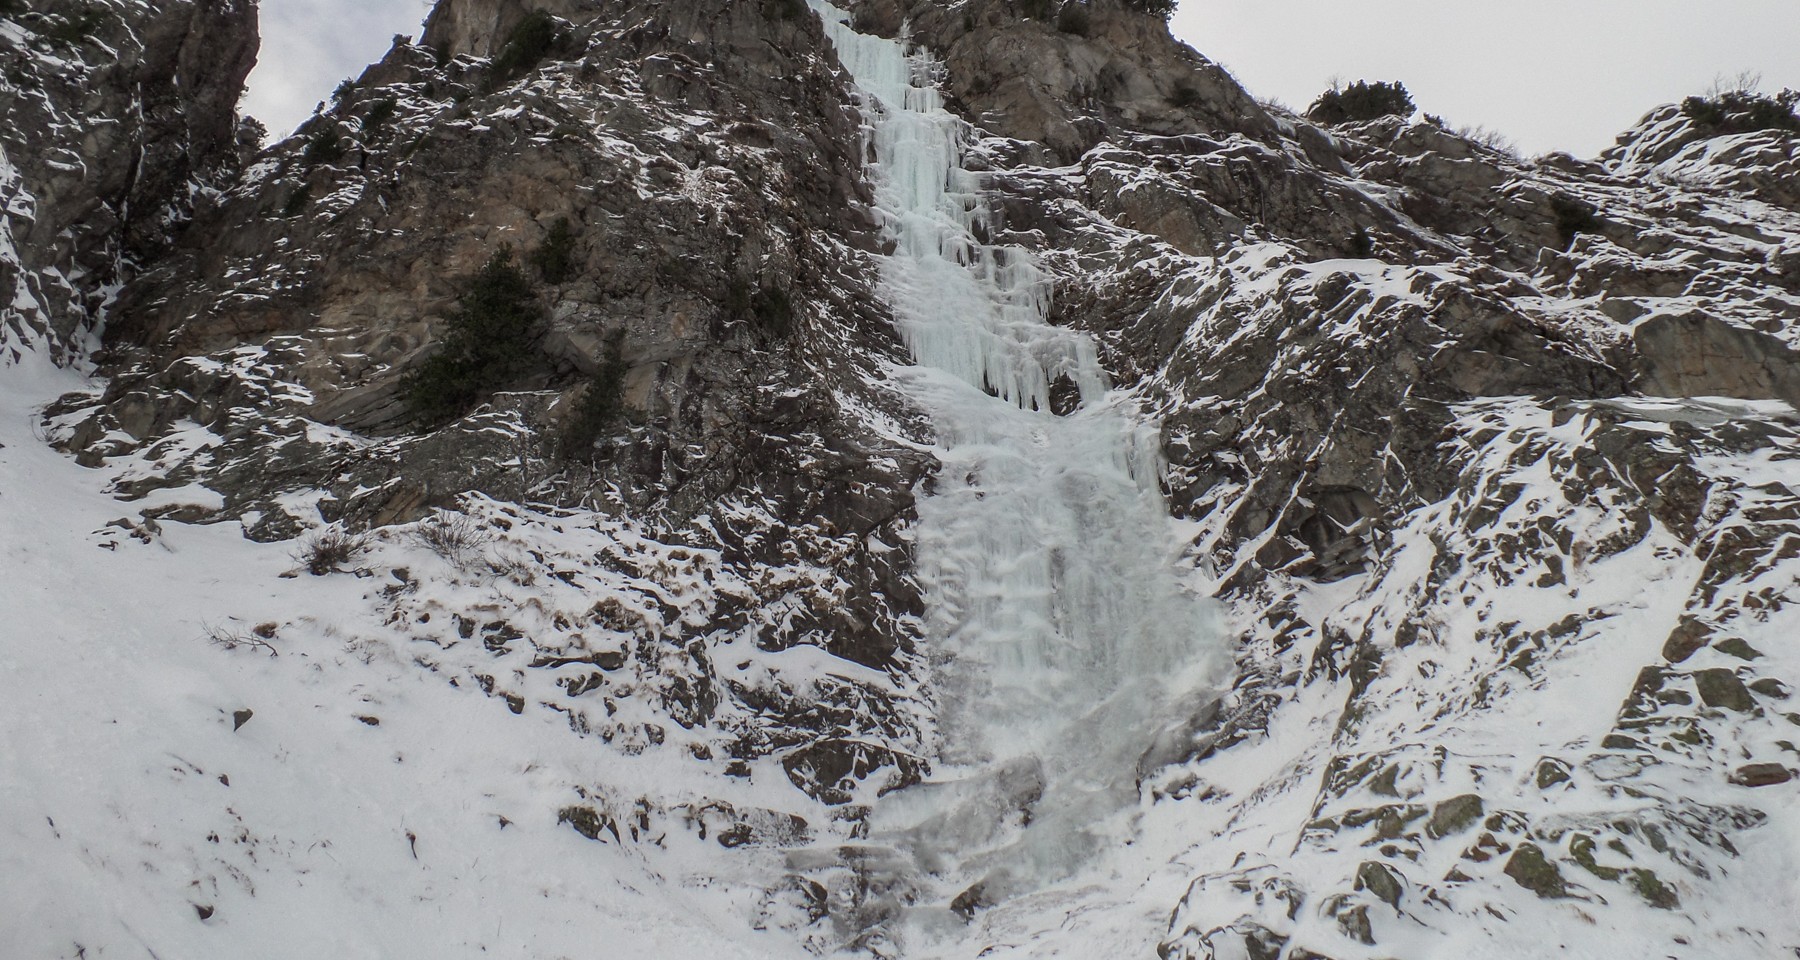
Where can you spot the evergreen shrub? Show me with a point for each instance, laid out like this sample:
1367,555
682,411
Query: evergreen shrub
1744,111
601,405
379,114
490,342
555,258
1361,101
324,144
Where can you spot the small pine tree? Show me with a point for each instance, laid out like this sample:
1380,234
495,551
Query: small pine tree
600,406
489,343
555,258
1074,19
297,201
251,134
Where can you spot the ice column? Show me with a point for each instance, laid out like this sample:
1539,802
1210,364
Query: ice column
1061,636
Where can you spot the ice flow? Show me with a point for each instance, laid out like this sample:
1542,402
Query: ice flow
1060,636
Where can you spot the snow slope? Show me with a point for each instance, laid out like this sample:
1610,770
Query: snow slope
364,808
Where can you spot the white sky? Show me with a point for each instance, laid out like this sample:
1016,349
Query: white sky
1549,74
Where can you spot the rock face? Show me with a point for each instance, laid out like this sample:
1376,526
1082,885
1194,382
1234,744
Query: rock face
1695,354
703,162
113,119
1492,459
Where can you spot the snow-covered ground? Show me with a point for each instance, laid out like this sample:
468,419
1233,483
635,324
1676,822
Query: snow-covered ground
365,807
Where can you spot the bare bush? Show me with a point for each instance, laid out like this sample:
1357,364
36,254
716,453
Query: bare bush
237,638
324,551
1492,139
1746,81
1278,107
452,536
512,569
1479,135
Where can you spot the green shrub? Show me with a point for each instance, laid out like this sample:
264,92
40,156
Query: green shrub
528,44
1361,101
490,342
297,201
1073,18
1184,95
555,258
1744,111
379,115
601,405
324,144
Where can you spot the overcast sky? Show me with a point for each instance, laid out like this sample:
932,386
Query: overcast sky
1549,74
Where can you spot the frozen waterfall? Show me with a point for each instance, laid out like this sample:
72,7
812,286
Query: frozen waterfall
1061,638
